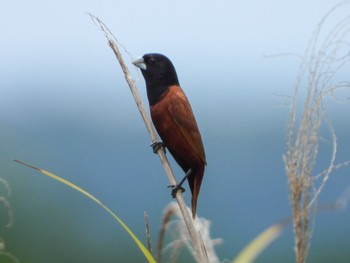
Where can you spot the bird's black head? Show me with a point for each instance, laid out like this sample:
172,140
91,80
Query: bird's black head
159,74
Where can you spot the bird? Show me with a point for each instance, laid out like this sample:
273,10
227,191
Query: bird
173,118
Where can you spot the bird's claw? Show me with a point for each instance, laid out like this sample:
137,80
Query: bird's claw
156,146
176,188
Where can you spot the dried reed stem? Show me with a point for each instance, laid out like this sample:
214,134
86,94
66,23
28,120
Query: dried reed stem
317,75
194,234
148,233
180,235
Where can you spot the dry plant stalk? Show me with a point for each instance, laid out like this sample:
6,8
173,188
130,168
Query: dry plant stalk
148,233
180,238
4,254
318,75
197,241
6,203
166,219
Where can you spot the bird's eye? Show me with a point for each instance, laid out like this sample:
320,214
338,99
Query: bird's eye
152,60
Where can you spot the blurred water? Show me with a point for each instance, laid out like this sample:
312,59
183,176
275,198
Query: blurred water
108,153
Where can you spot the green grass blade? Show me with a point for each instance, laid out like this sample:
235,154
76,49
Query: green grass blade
144,250
259,244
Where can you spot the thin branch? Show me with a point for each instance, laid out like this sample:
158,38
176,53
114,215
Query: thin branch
194,234
148,233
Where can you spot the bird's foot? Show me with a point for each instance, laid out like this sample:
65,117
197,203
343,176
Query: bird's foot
156,146
176,188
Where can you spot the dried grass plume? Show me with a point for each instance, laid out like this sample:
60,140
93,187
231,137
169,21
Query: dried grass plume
317,83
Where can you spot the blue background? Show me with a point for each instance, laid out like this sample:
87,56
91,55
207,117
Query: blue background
65,107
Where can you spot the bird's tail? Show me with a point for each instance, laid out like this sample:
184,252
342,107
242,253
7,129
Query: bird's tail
195,181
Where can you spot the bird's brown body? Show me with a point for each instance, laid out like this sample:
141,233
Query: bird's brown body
174,121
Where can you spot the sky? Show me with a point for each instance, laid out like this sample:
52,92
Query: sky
65,107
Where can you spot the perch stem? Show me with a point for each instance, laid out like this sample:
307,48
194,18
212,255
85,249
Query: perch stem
195,236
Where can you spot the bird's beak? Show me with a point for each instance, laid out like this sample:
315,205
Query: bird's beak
140,63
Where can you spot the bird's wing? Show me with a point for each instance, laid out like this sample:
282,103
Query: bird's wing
180,110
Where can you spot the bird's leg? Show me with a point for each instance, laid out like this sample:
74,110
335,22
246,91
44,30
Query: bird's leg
156,146
178,186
